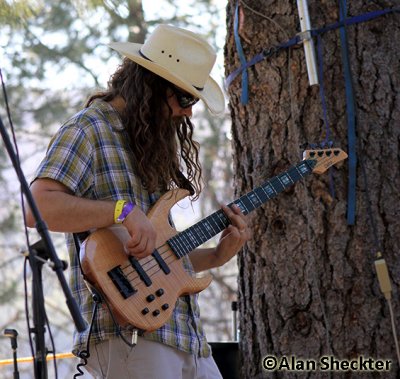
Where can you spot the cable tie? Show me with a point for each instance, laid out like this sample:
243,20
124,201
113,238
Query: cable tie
304,36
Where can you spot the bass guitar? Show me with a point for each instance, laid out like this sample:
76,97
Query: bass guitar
143,292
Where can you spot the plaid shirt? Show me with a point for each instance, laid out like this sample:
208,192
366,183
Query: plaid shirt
90,155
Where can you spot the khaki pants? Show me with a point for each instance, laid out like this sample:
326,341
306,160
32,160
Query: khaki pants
113,359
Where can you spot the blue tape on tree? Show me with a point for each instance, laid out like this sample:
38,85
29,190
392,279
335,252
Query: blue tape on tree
295,40
245,78
351,121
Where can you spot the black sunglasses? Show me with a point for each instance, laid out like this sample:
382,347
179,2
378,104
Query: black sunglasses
185,100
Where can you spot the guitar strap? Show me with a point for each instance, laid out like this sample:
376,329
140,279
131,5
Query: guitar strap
78,238
184,182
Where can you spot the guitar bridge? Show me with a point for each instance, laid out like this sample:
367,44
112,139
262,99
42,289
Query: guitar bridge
121,282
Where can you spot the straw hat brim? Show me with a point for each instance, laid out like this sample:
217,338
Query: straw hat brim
211,94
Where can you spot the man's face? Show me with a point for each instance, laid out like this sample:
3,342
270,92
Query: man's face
177,109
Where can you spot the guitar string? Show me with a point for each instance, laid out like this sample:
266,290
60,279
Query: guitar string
153,261
147,269
150,261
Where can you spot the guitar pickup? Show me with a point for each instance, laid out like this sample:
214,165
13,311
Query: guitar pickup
139,269
121,282
161,262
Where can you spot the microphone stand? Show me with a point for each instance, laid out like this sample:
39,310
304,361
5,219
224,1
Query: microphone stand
12,334
37,288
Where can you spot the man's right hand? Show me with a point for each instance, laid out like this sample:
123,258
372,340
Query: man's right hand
143,235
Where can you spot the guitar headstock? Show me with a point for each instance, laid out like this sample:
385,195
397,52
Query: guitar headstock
324,158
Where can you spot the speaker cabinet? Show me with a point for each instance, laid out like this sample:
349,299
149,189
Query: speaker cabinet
226,356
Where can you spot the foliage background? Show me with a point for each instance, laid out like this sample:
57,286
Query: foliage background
53,54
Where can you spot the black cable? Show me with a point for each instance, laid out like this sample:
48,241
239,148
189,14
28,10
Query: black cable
9,116
53,346
26,234
97,297
85,354
27,307
25,231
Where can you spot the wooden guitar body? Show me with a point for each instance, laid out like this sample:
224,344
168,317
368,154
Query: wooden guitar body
149,307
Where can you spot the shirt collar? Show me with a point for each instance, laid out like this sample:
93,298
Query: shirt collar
108,110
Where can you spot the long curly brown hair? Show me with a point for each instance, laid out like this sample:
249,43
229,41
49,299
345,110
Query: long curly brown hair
162,147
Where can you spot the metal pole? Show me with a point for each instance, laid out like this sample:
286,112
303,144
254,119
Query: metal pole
308,42
235,330
12,334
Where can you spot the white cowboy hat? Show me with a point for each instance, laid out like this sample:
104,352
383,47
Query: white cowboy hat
182,58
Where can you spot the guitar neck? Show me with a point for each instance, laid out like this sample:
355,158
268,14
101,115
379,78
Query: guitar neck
188,240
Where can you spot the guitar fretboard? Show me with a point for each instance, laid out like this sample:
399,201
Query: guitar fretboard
191,238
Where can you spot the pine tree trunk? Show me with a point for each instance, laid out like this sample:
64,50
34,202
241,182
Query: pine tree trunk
307,282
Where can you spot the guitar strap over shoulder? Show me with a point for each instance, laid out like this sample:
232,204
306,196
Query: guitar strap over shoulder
185,183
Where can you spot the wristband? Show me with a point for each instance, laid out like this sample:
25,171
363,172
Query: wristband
122,209
118,209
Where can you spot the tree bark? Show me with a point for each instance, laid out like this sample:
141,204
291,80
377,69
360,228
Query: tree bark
307,282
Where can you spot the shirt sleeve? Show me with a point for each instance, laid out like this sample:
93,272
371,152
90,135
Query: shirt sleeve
69,160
